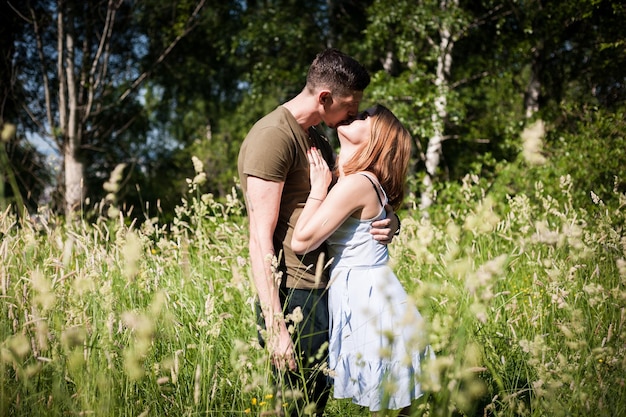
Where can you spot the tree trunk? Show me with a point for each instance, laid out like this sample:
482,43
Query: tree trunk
533,89
74,184
83,45
531,97
433,149
74,170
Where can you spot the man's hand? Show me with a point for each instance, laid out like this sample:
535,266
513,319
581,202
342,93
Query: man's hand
281,351
385,229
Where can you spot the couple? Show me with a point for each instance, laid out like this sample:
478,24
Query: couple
284,170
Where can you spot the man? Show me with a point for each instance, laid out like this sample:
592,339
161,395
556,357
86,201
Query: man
273,168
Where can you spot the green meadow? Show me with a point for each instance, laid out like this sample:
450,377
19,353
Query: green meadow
524,300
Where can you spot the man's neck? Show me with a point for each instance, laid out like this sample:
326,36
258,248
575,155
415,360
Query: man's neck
303,107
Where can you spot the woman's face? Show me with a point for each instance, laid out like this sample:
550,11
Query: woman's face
358,131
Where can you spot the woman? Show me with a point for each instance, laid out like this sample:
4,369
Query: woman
374,351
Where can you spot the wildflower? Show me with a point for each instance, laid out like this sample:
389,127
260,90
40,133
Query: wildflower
196,387
532,142
480,311
309,410
483,278
425,233
45,297
198,166
8,132
209,305
484,220
296,315
42,334
596,294
621,266
594,197
199,179
18,346
207,198
321,352
132,254
538,388
566,331
543,234
73,337
83,284
559,297
113,184
113,212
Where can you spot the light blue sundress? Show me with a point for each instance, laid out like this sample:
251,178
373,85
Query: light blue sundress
376,335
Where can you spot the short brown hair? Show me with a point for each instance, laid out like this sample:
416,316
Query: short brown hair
338,72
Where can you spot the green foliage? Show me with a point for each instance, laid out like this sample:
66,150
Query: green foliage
241,59
593,151
587,147
276,54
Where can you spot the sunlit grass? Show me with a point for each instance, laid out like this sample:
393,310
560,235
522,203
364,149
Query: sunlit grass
524,299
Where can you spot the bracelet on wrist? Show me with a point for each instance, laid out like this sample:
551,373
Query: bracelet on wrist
318,199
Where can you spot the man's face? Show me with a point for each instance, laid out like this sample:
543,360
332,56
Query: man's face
338,110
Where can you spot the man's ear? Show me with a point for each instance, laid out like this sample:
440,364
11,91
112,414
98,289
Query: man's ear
325,98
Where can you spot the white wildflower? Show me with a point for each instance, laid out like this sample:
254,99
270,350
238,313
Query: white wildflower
132,252
621,267
198,166
209,305
199,179
532,142
8,132
113,184
45,297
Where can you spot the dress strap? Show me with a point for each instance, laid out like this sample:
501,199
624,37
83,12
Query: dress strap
375,188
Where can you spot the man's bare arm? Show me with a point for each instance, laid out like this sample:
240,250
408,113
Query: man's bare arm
263,200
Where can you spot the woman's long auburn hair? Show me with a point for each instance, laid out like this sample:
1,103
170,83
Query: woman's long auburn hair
386,154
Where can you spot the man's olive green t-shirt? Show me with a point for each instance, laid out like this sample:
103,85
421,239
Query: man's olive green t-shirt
275,150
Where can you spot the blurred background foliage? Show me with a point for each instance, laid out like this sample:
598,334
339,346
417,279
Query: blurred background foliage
508,64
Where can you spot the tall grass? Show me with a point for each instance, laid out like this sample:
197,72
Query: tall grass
527,306
525,302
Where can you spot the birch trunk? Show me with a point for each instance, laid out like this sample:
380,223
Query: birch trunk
74,191
433,149
82,68
531,98
74,172
533,89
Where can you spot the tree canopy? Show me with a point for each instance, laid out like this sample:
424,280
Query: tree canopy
149,84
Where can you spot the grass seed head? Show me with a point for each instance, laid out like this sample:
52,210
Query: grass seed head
532,142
